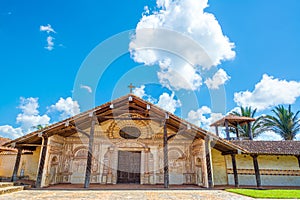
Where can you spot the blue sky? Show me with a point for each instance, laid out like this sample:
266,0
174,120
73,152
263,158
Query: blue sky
40,85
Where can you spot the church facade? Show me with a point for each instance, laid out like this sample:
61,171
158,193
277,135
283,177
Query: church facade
132,141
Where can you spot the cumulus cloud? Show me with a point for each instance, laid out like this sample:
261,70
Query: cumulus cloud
67,107
203,117
29,117
168,102
140,92
8,131
47,28
269,136
269,92
219,78
185,35
87,88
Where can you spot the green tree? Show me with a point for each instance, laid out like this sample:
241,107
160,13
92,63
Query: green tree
256,127
39,127
285,122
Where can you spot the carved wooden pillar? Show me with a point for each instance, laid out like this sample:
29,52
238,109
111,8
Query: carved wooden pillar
166,159
234,168
90,154
250,131
17,164
146,175
237,131
298,157
42,162
256,169
227,130
217,131
208,162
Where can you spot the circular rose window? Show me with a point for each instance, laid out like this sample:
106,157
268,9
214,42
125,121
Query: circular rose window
130,132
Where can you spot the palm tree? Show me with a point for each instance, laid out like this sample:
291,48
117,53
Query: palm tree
39,126
285,122
257,126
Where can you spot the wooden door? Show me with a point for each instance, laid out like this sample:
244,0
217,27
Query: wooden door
129,166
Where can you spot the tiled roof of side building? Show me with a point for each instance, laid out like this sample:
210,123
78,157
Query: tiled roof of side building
287,147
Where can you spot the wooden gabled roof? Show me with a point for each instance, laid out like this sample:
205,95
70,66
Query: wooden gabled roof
233,120
112,111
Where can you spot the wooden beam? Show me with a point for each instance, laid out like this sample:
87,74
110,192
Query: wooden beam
256,169
42,162
90,154
17,164
235,174
250,131
227,129
217,131
298,157
166,159
208,162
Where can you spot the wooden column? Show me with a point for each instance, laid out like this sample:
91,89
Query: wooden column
208,162
166,159
234,168
90,154
237,132
250,131
256,169
17,164
227,130
298,157
217,131
42,162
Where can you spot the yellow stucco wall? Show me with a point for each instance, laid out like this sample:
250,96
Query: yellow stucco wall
7,165
29,163
219,168
275,170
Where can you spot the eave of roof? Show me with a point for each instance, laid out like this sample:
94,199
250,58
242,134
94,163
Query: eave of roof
176,121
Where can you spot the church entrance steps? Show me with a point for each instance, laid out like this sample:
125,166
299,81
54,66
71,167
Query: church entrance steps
6,184
8,187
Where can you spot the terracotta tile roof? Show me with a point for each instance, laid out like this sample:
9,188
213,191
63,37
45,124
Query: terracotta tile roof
270,147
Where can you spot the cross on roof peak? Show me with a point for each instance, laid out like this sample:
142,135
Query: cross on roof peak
131,87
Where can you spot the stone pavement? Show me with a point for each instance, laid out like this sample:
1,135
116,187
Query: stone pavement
124,194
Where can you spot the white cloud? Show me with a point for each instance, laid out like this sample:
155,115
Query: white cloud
50,43
203,117
219,78
87,88
10,132
177,77
67,107
139,91
168,103
192,39
269,92
47,28
268,136
29,116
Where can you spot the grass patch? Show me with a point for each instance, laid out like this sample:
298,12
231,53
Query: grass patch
268,194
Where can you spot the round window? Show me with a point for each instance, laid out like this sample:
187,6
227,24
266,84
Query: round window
130,132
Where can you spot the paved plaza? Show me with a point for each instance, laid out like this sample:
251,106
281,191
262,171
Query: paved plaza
124,194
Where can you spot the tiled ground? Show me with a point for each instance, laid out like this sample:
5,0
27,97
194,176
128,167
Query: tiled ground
123,194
